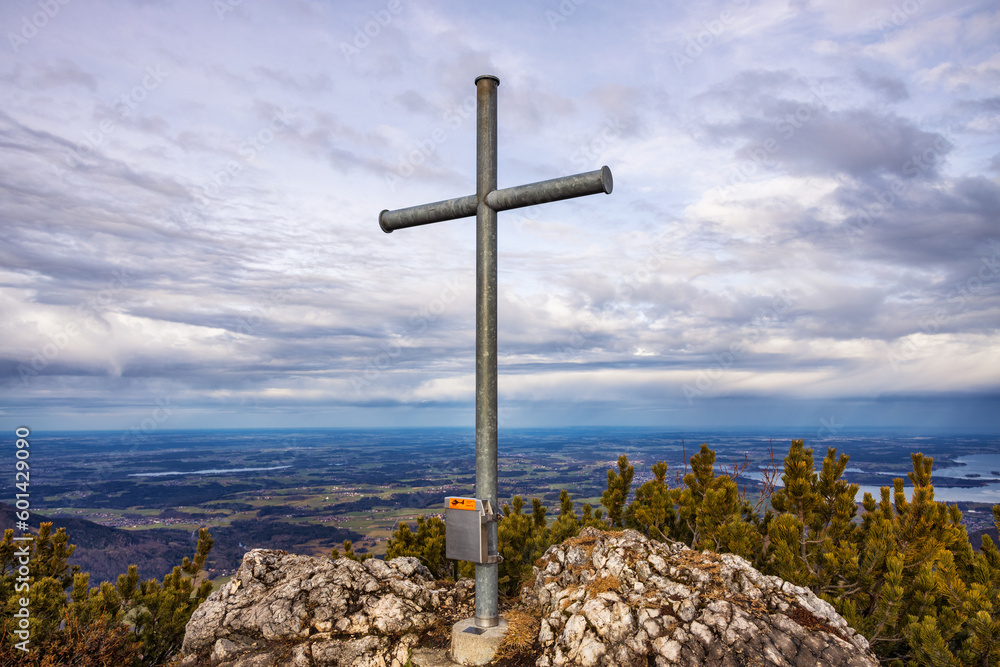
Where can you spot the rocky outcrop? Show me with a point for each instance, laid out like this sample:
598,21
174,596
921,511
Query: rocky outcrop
603,599
283,609
622,599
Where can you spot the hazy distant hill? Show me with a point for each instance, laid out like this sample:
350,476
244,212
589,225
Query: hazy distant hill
233,541
976,538
107,552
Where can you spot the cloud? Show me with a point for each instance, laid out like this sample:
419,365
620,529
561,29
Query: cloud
813,196
888,88
777,120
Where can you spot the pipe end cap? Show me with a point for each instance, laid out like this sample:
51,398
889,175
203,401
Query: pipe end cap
381,223
606,179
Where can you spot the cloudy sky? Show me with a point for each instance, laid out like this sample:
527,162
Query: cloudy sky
804,230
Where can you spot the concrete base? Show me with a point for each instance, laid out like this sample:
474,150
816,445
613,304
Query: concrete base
431,657
475,646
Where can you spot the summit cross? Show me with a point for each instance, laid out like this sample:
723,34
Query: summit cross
484,205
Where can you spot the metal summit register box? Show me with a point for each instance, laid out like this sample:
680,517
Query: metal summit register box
465,530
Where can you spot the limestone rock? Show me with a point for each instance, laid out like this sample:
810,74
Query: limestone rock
621,598
604,599
282,609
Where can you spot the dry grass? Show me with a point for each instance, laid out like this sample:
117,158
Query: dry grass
585,541
808,621
522,634
604,584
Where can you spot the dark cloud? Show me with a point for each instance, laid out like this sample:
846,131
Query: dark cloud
318,83
859,143
888,89
64,73
625,105
410,101
983,105
777,118
804,138
924,225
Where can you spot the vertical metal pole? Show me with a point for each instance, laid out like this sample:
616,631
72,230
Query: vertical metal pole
486,337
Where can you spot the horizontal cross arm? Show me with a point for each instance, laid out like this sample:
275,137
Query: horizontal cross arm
425,214
567,187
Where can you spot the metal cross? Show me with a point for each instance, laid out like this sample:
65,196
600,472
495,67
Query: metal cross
484,205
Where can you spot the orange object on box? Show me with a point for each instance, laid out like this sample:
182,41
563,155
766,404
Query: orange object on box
461,503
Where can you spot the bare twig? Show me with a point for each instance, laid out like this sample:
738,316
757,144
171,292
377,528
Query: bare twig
685,457
768,479
738,468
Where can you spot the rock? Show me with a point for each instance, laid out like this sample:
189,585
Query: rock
286,610
621,598
603,599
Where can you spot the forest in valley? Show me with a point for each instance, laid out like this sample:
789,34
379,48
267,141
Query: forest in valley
901,569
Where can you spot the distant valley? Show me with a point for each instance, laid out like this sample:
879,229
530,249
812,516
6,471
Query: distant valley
307,491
